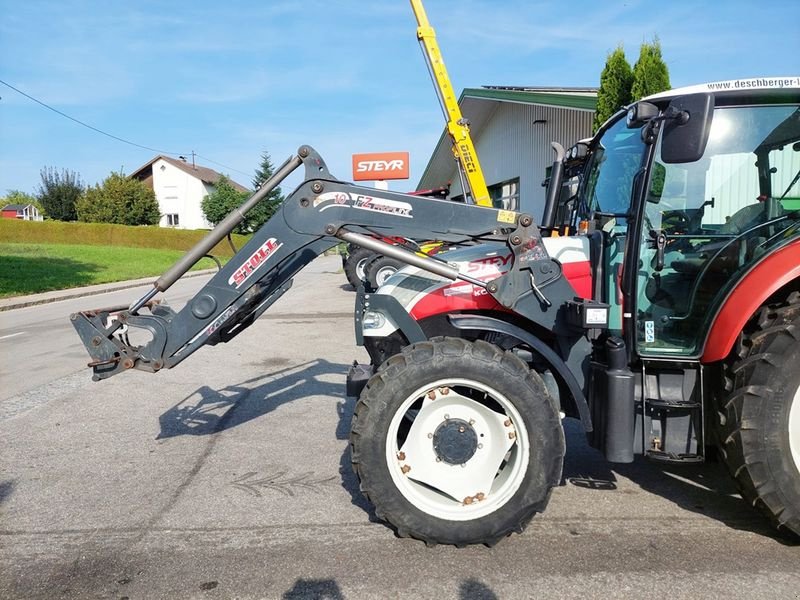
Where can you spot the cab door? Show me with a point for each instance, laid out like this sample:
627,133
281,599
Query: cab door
705,223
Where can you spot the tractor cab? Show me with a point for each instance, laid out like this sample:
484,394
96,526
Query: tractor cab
687,191
682,195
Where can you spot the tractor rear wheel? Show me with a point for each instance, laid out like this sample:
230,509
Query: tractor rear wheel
456,442
759,420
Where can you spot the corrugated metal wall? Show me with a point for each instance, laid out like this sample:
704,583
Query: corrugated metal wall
516,143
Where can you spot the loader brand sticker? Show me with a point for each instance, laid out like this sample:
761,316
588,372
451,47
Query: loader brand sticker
255,262
220,320
361,202
335,199
380,166
383,205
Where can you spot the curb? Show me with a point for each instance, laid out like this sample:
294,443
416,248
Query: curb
68,294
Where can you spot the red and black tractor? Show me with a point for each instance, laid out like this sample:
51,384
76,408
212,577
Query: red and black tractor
657,302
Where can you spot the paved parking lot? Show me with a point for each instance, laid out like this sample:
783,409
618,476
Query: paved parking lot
229,477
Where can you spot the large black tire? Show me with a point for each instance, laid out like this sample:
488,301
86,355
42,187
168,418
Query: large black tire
500,374
379,269
756,436
354,264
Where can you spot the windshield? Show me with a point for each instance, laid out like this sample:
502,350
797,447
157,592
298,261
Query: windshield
615,161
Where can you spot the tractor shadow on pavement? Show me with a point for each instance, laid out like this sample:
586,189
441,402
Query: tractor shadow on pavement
208,411
705,489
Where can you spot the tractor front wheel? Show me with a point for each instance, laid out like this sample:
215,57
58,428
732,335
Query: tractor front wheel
456,442
355,263
378,270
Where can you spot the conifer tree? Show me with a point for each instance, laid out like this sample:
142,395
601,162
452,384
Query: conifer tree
650,73
615,86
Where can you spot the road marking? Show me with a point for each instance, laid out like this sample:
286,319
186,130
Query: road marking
10,335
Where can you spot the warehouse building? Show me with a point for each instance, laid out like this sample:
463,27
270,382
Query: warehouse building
512,128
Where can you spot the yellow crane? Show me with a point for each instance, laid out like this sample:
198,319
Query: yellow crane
457,125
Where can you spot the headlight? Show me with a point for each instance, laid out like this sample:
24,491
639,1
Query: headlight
373,320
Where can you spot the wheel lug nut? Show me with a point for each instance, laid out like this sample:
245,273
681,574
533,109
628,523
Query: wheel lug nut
401,456
444,391
511,435
507,422
432,395
468,500
405,469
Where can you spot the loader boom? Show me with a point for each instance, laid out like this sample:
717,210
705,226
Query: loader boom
320,213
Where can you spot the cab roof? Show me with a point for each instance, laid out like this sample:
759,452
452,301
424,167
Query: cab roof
732,85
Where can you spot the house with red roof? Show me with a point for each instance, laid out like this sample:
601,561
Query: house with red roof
180,187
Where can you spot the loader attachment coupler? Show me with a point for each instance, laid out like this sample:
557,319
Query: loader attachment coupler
99,329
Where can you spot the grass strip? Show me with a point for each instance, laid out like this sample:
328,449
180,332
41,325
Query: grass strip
33,268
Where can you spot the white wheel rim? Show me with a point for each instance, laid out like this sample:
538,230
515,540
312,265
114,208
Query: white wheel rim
360,268
383,274
457,492
794,428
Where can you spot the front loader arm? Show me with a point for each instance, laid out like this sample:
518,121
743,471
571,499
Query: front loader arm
320,213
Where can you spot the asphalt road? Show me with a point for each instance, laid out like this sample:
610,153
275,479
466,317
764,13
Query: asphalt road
229,477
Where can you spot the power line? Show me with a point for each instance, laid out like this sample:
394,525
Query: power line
219,164
79,122
114,137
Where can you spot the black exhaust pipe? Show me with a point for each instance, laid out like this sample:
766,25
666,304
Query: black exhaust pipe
554,187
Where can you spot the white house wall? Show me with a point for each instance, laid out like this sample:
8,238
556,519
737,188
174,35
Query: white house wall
512,145
179,193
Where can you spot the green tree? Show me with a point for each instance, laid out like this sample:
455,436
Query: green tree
119,200
59,192
23,198
650,73
223,200
262,212
615,86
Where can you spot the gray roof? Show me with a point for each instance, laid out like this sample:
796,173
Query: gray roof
16,207
478,105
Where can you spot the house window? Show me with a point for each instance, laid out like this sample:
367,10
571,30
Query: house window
505,195
172,220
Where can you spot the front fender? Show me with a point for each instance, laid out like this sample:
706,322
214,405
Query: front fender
484,323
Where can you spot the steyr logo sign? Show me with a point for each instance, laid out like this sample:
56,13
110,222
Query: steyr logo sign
380,166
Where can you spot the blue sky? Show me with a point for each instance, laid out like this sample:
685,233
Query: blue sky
230,80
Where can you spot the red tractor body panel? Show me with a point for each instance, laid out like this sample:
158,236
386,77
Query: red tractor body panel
767,277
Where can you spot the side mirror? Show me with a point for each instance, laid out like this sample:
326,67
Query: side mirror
686,128
640,113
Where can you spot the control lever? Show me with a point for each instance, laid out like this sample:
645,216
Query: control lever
659,241
539,294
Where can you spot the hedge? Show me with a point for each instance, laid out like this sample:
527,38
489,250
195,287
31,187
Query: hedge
106,234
